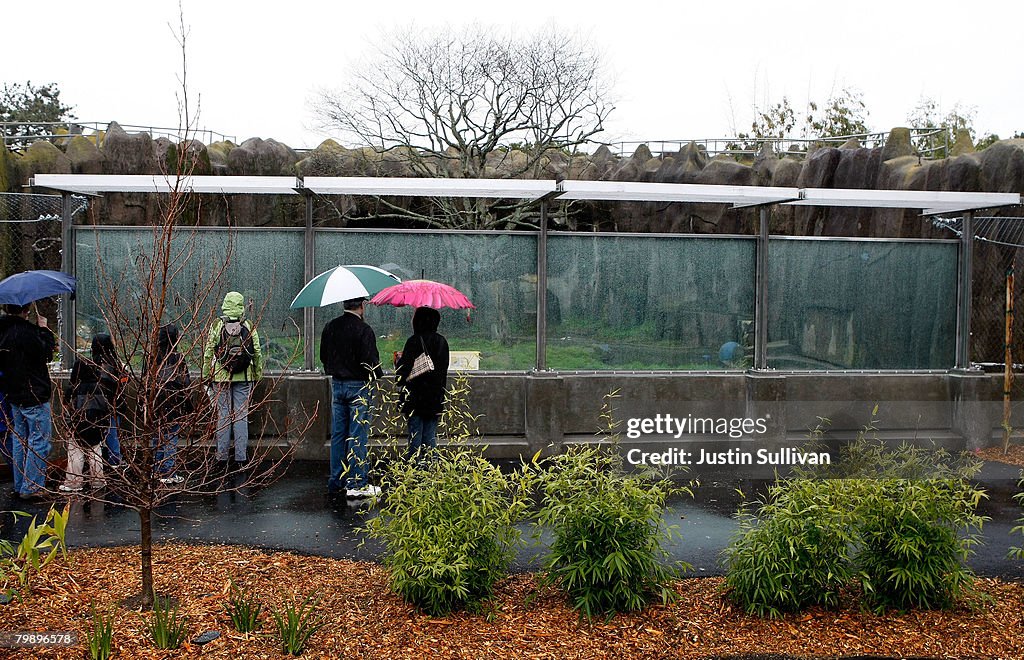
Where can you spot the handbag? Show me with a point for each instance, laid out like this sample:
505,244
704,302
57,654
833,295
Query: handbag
422,364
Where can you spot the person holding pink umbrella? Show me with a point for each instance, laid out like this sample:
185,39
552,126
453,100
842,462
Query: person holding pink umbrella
424,387
424,384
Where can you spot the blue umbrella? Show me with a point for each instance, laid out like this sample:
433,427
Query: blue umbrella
23,288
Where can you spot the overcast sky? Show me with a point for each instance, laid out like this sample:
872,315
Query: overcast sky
681,69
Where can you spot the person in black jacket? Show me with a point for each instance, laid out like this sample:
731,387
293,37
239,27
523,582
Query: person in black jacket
172,402
25,350
348,351
424,393
105,356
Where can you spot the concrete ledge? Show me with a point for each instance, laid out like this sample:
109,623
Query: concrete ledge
523,413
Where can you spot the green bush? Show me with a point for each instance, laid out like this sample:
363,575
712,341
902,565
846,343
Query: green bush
100,637
296,624
900,520
1018,552
915,537
37,548
448,526
167,629
608,530
244,610
795,552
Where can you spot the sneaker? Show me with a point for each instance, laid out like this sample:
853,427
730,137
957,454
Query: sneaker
176,479
64,488
366,491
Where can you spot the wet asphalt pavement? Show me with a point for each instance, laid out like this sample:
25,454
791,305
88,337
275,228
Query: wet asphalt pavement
294,513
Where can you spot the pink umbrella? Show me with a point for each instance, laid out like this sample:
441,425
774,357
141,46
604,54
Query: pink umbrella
423,293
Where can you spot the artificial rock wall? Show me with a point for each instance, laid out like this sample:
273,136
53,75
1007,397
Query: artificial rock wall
999,168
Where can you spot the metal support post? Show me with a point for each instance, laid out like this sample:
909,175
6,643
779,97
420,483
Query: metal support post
309,266
963,308
761,293
542,289
66,321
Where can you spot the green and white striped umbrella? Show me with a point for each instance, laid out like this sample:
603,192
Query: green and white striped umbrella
344,283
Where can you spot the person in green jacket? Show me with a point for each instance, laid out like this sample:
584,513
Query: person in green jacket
232,362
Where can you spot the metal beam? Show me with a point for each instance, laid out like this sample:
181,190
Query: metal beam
66,322
963,307
761,293
309,272
542,289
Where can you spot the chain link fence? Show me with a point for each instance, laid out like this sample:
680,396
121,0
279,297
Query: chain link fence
30,238
998,248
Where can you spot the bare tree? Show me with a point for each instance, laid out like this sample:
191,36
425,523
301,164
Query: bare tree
168,281
472,103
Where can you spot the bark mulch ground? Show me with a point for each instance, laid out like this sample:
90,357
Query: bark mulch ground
1013,456
365,620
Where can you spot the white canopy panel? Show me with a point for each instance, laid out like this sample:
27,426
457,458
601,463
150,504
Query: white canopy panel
381,186
164,183
617,191
928,200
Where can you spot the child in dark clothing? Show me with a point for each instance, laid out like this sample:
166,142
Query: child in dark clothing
90,395
172,402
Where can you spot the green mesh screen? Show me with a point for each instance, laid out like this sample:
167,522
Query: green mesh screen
635,302
861,304
497,272
264,265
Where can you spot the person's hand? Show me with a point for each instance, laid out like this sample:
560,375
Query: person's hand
41,321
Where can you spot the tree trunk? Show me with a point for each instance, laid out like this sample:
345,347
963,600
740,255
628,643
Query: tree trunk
146,533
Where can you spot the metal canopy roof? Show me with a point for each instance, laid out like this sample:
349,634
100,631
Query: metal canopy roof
160,183
675,192
929,202
493,188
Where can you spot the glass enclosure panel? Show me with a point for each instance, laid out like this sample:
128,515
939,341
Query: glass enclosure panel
266,266
639,302
497,272
847,304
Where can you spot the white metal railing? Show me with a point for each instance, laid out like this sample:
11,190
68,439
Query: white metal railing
19,135
930,143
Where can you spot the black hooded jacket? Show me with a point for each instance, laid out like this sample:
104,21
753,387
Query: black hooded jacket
426,392
173,397
25,351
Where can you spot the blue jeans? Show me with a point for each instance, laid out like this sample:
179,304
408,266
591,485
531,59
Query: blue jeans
422,435
233,415
350,428
113,444
32,428
166,444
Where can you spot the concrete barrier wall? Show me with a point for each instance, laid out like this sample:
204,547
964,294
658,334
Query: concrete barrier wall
523,413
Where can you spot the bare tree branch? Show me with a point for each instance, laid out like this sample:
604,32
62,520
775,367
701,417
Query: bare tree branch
170,280
458,103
